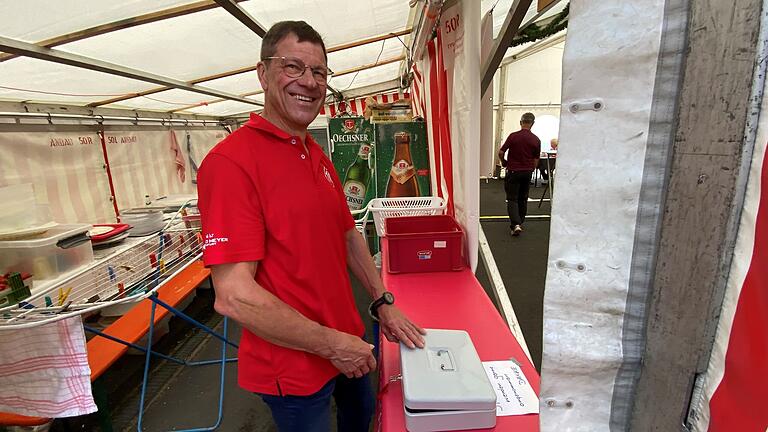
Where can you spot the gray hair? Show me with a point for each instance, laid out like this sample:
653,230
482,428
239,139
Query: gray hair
303,31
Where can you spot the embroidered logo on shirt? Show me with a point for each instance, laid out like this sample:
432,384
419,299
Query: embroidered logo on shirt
212,240
328,175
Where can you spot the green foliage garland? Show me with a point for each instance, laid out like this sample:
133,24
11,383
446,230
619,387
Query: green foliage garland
533,32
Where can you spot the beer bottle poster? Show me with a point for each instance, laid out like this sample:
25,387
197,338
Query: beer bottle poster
352,141
402,160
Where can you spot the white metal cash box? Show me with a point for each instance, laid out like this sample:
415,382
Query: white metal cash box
445,387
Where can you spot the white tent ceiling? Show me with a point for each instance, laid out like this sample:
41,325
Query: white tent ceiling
193,46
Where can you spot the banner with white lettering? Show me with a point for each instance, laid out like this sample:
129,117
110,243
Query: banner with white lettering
148,165
460,39
66,170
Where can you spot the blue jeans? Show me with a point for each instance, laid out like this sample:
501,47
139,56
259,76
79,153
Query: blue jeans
354,407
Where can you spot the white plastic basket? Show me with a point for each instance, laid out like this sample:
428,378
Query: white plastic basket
383,208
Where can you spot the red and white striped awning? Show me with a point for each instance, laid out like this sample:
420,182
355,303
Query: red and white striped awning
357,106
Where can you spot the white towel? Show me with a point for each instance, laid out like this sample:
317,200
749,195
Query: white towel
44,371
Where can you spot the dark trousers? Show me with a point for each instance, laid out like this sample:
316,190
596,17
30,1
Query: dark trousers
543,167
516,185
354,407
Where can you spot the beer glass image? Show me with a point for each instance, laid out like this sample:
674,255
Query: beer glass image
402,176
357,178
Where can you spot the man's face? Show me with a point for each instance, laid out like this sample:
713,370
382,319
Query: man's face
294,102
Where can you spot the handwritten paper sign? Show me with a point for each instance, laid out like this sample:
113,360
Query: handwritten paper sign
514,394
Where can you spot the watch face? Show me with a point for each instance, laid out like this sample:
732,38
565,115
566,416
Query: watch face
388,297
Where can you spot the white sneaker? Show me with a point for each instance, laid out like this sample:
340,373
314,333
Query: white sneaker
517,230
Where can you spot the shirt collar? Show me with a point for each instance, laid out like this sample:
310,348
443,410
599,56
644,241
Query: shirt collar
258,122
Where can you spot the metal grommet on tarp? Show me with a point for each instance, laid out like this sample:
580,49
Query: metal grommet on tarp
586,105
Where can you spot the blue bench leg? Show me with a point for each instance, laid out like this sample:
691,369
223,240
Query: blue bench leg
148,351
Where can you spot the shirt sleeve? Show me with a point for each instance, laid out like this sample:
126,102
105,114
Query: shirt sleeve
230,212
536,149
507,143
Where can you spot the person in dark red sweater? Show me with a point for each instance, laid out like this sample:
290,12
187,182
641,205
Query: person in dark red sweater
520,156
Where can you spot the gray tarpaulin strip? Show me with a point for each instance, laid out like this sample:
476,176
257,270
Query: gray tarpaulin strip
652,194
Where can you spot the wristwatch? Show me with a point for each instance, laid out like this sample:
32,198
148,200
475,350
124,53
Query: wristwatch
386,298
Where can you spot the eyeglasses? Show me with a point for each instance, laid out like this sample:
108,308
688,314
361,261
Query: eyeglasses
295,68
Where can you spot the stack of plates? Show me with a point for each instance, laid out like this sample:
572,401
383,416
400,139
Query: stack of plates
143,221
108,234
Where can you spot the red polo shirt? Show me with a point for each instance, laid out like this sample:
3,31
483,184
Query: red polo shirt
263,198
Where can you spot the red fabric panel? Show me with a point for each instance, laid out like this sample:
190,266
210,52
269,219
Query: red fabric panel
739,401
418,98
434,108
445,126
430,300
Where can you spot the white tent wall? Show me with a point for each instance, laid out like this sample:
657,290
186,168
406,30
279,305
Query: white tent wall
66,169
461,49
487,113
172,48
65,165
198,145
589,265
533,85
145,163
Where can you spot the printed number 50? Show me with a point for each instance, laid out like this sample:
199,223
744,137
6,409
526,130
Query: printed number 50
452,24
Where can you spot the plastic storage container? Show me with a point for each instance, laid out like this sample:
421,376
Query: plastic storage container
424,244
46,256
20,211
144,221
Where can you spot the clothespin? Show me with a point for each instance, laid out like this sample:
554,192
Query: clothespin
179,251
63,295
66,307
153,260
111,273
48,301
121,288
162,266
199,238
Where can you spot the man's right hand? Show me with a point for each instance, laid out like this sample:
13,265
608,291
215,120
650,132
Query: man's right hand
352,356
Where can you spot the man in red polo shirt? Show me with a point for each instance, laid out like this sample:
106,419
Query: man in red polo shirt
279,237
520,156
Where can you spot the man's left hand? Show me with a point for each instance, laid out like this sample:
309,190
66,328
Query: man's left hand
397,327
